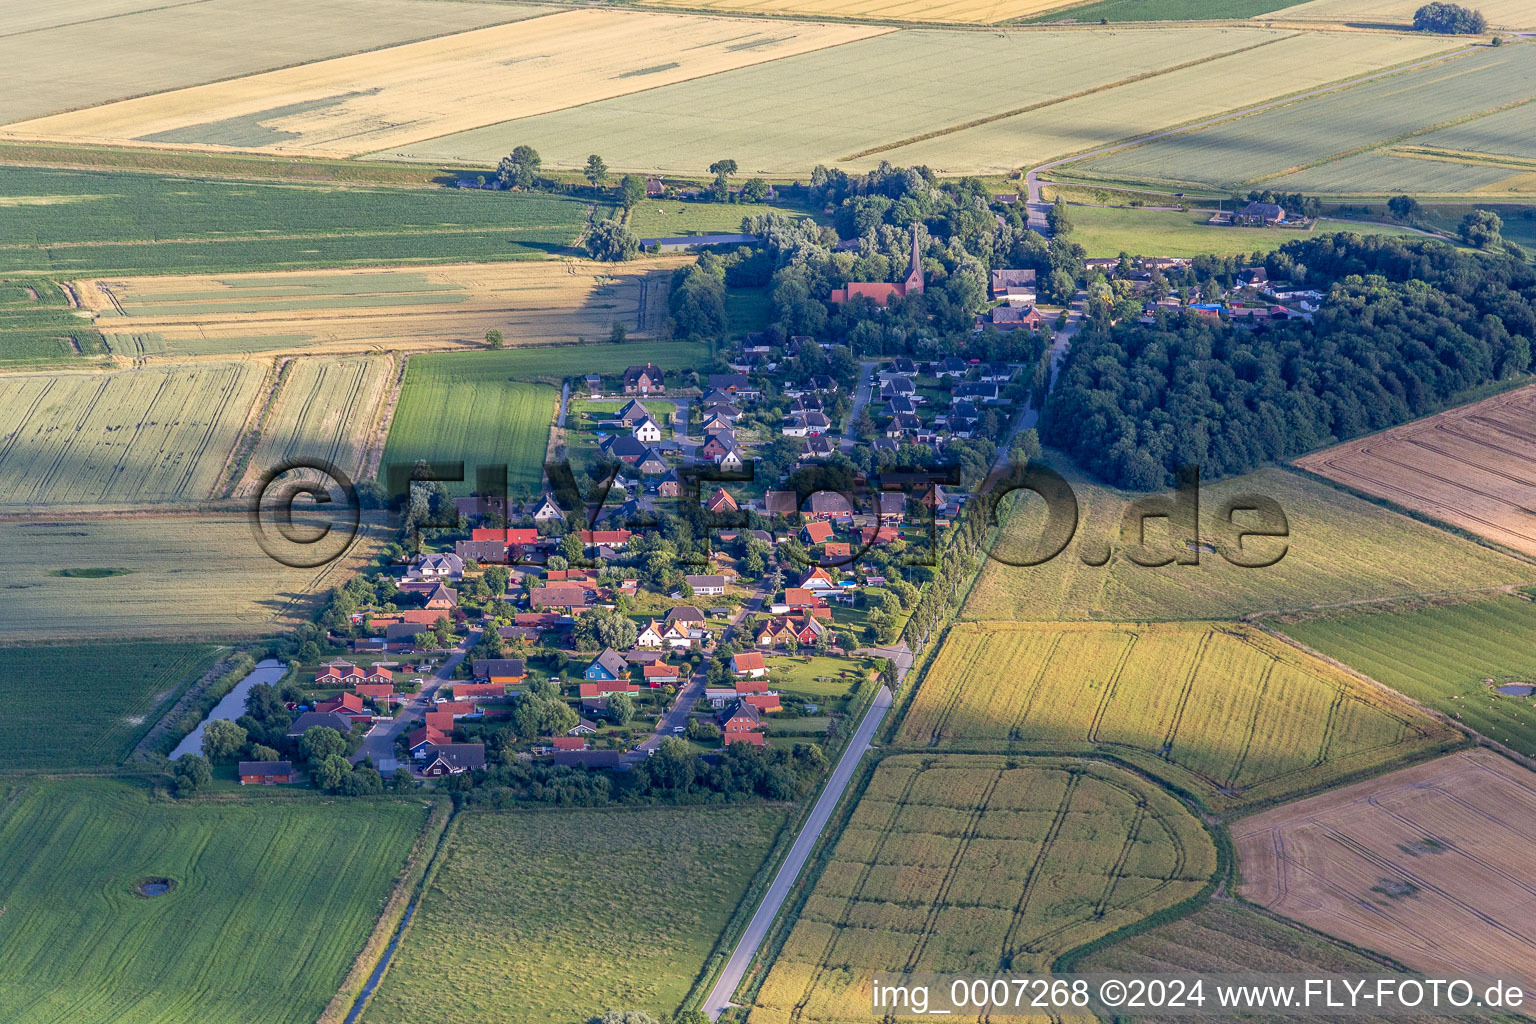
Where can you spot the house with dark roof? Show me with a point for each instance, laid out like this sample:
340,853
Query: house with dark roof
452,759
328,719
706,584
266,773
1006,283
644,380
609,666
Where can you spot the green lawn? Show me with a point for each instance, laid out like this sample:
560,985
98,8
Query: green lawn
558,916
817,675
746,310
665,218
1440,655
1108,231
87,705
151,223
272,901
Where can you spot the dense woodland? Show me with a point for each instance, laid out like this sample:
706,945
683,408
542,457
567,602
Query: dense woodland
1407,326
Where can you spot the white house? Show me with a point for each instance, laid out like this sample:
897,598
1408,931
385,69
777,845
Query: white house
647,431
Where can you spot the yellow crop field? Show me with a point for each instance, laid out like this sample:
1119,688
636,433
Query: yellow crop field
956,864
127,437
1430,865
403,94
325,409
1505,14
374,309
971,12
78,53
1237,713
182,577
1340,549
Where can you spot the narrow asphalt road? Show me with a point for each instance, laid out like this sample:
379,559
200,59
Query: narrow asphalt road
719,997
863,393
379,744
688,696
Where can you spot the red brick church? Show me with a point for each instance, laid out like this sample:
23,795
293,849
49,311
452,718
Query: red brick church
883,291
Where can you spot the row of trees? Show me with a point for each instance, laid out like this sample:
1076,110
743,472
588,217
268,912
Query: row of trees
1407,326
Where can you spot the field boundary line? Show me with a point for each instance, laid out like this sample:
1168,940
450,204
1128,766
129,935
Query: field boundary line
988,119
373,451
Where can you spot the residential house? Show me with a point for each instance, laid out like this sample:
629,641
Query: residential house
817,531
829,505
814,449
633,412
951,366
605,689
660,674
748,664
480,506
544,510
732,459
617,539
608,666
644,380
685,616
453,759
485,552
1012,318
721,501
469,691
837,549
328,719
568,743
719,697
819,580
584,727
706,584
651,635
501,672
1007,284
567,598
781,503
647,431
765,703
742,724
735,384
669,486
442,598
266,773
1262,214
651,463
800,599
435,566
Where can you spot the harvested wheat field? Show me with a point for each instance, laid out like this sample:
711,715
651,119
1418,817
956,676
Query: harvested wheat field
326,410
375,309
128,437
165,576
971,12
1223,709
403,94
1473,467
1504,14
962,864
1430,865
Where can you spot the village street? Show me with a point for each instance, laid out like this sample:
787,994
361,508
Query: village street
379,744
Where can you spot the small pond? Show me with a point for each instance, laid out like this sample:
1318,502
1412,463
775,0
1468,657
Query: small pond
1517,690
150,887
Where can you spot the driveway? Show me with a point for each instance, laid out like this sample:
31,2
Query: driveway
719,997
379,744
